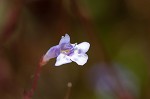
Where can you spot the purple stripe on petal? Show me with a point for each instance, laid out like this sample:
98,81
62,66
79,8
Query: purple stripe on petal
71,53
66,46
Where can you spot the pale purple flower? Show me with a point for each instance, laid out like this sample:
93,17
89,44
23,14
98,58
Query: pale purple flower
67,52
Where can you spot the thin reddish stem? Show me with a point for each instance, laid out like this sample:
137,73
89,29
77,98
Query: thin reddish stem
30,93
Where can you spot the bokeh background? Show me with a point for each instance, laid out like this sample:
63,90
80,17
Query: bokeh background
119,34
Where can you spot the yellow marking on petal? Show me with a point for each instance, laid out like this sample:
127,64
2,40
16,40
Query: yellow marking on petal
65,51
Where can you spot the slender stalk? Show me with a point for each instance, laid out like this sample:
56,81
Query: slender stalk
29,94
69,85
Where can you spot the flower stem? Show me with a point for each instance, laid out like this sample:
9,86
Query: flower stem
69,85
29,94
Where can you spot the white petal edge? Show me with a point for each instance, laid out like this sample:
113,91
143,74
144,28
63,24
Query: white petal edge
74,45
65,39
62,59
84,46
80,59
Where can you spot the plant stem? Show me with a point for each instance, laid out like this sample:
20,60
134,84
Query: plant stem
29,94
69,85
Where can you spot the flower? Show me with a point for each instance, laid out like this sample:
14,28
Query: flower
67,52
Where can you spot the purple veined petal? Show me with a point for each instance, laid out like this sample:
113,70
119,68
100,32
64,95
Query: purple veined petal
65,39
66,46
51,53
62,59
80,59
83,47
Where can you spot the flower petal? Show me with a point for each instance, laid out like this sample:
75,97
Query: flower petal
80,59
83,47
51,53
74,44
65,39
62,59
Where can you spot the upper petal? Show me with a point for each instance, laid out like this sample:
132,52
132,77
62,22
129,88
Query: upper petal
62,59
83,47
65,39
80,59
51,53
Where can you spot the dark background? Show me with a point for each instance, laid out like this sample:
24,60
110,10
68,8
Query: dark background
118,64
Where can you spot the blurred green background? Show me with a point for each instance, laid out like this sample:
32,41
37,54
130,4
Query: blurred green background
118,64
